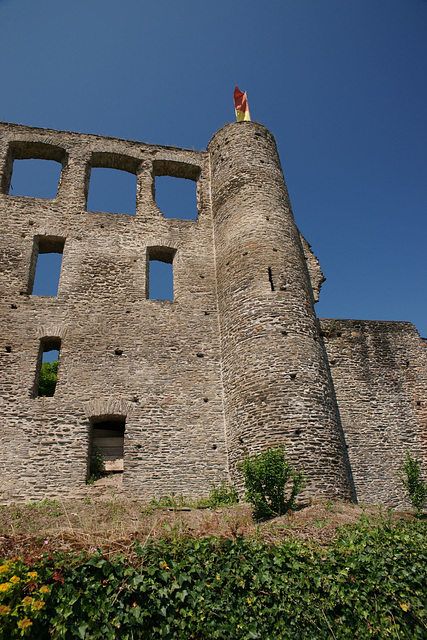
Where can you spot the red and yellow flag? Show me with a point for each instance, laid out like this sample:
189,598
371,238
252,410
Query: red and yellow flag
241,105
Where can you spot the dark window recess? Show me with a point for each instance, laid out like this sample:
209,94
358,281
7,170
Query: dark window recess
270,278
160,273
47,369
107,444
112,191
45,269
174,188
35,178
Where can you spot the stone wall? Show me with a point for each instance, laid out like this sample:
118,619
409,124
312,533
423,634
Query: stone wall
155,363
234,363
379,371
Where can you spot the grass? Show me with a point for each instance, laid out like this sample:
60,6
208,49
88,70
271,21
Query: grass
114,524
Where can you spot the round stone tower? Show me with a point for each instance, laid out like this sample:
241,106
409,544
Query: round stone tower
277,384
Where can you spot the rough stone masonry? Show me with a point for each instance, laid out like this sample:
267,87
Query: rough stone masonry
174,393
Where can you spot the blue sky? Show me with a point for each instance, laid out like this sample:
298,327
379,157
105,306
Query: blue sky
342,85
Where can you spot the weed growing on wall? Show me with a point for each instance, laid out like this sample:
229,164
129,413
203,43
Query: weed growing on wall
96,467
414,485
266,476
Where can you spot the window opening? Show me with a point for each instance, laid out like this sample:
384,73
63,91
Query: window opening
35,178
176,197
174,188
33,169
48,367
160,273
106,449
112,191
46,266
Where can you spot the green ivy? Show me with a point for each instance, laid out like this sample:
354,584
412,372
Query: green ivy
371,583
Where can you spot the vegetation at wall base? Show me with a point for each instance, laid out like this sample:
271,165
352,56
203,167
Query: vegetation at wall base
370,583
414,485
220,495
266,476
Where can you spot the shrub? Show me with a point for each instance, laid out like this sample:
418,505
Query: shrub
414,485
47,378
266,475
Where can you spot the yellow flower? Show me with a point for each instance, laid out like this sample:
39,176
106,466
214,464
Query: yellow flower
44,589
4,586
3,568
24,623
27,601
4,609
32,575
39,604
163,565
15,579
404,606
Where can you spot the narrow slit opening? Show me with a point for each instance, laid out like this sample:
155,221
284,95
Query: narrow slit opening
270,278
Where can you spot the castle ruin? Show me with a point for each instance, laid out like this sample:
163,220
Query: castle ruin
176,392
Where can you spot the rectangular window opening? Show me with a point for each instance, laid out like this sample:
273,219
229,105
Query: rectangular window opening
176,197
175,188
35,178
160,273
48,367
46,263
106,448
112,191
